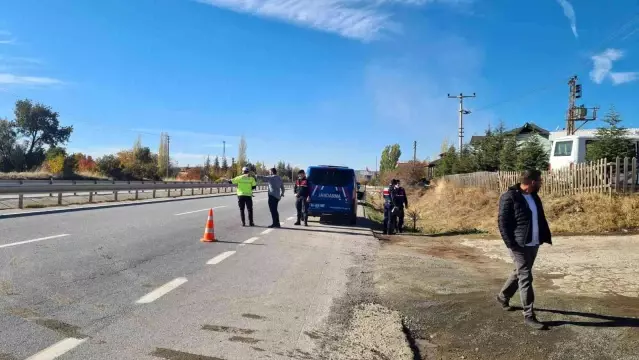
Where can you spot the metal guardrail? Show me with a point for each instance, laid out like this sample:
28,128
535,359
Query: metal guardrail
25,187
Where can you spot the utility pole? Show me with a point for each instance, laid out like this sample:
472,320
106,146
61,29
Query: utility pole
462,112
415,151
577,113
224,149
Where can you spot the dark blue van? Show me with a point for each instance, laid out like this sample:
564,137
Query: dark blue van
333,191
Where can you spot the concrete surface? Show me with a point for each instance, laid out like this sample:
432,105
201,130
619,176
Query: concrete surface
69,283
446,289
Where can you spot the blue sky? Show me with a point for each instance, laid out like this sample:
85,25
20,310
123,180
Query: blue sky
311,81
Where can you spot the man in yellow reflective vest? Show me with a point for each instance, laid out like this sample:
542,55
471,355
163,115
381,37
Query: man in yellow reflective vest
245,185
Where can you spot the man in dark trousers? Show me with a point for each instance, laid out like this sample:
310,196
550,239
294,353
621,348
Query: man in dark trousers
275,193
523,227
245,185
303,197
400,200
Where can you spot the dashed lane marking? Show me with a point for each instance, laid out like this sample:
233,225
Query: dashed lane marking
34,240
249,241
58,349
266,231
196,211
161,291
218,259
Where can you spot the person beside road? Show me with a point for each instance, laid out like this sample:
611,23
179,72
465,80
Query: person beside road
303,197
275,194
523,227
245,185
400,200
388,207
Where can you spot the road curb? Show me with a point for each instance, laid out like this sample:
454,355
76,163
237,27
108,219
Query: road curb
124,203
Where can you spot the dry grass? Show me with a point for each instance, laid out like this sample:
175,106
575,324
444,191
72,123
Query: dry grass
31,175
446,208
43,175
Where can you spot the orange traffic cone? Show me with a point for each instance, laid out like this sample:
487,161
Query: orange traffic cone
209,229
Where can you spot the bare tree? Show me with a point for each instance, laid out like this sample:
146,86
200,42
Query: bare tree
241,155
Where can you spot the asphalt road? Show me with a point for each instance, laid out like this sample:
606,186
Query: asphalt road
136,283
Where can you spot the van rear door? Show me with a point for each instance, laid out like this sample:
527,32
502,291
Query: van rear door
332,189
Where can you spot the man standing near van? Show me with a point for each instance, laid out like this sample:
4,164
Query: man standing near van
400,200
275,193
245,185
303,197
523,227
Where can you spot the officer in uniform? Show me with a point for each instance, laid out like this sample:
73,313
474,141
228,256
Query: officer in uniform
245,185
388,207
303,197
399,201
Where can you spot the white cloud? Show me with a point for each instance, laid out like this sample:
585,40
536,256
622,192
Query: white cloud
569,12
623,77
12,79
602,68
6,38
363,20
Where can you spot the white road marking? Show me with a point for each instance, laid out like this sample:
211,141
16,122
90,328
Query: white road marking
281,223
161,291
266,231
291,218
196,211
249,241
57,349
218,259
34,240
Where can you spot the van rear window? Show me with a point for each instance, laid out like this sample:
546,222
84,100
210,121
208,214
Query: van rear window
563,148
331,177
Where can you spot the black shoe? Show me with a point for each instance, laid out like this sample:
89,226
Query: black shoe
305,223
504,304
534,323
297,223
252,224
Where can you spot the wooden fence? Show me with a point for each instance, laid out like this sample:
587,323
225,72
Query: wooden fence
600,176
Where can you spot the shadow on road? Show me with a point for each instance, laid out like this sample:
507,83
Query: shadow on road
610,321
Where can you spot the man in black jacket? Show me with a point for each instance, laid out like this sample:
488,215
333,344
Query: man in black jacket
523,227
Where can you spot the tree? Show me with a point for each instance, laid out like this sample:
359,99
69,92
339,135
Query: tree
40,126
206,169
163,155
532,155
465,162
508,154
390,157
612,141
241,154
216,166
225,165
488,150
110,165
7,145
281,168
447,163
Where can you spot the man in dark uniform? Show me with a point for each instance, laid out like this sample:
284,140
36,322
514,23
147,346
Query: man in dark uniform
400,200
388,206
303,197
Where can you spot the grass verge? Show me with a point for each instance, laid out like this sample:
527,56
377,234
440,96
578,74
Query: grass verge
447,209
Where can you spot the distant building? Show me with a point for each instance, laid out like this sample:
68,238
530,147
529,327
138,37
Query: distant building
522,134
365,175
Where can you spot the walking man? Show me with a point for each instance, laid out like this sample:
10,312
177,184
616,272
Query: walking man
245,185
388,194
303,197
523,227
400,201
275,193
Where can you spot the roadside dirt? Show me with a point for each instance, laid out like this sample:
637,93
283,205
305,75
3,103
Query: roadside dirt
586,289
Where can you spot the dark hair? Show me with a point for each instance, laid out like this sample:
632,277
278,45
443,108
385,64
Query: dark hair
274,171
301,172
529,176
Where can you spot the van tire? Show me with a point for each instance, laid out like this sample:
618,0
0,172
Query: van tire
353,217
